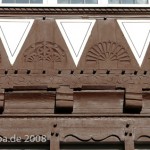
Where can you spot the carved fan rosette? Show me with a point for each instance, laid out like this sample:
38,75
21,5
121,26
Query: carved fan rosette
107,55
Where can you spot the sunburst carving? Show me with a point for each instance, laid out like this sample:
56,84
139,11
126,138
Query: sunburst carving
108,54
44,52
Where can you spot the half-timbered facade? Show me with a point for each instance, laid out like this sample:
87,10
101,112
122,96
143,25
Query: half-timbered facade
74,77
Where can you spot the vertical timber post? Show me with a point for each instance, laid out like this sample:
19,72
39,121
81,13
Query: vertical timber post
54,140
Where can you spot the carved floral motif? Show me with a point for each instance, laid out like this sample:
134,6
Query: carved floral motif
45,52
107,54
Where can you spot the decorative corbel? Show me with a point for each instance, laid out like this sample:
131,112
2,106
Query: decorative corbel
133,99
64,100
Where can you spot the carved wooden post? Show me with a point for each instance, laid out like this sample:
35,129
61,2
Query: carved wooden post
64,100
129,137
129,144
54,140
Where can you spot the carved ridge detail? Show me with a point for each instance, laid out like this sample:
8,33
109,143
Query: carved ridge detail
107,53
74,80
92,138
69,10
143,136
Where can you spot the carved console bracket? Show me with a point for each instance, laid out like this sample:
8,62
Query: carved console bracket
64,100
133,100
1,101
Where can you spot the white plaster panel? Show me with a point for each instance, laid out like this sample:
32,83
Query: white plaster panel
137,34
76,33
13,33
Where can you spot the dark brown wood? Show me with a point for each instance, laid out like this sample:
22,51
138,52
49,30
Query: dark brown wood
133,100
54,140
105,98
29,102
98,101
2,101
64,100
40,11
129,144
146,102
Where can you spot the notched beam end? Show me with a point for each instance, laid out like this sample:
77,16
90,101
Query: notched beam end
64,100
133,101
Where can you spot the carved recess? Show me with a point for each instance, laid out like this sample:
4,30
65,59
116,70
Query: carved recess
45,54
107,55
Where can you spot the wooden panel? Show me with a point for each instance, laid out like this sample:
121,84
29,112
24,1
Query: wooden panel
72,128
44,48
29,102
98,101
107,52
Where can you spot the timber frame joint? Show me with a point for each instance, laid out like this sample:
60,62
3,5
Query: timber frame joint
64,100
133,99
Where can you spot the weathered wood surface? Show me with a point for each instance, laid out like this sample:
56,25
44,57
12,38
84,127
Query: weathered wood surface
29,102
64,100
98,101
71,129
85,100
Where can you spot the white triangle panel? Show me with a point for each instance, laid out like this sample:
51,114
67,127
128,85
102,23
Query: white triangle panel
13,33
76,33
137,34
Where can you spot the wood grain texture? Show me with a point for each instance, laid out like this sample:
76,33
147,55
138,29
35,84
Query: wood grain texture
133,100
146,102
29,102
98,101
73,129
2,100
64,100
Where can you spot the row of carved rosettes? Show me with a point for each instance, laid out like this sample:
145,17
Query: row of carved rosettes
101,55
73,80
47,54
